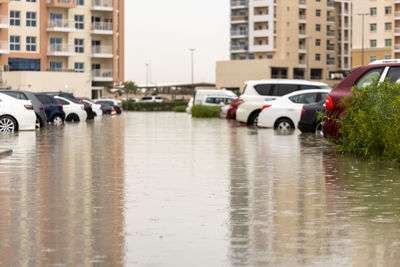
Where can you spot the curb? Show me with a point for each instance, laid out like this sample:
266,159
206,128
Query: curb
5,152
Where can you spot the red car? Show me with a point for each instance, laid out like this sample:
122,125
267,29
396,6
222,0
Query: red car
233,107
359,76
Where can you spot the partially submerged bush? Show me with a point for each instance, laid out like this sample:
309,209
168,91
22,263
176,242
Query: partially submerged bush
152,106
204,111
181,108
370,126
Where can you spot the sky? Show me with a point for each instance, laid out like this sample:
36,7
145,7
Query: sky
161,32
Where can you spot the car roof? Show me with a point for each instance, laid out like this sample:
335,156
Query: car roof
284,81
307,91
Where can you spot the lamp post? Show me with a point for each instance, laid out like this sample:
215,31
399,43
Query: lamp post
308,58
192,52
147,77
362,36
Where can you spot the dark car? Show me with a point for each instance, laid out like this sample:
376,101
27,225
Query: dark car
41,118
72,98
360,77
310,120
54,110
232,108
108,106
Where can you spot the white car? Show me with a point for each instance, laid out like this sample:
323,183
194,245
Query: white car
157,99
200,96
257,92
283,114
16,114
117,102
73,111
97,109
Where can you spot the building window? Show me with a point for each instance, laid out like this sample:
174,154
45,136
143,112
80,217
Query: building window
79,22
78,67
31,19
318,12
80,2
318,27
317,57
388,26
317,42
30,43
388,42
15,44
372,59
15,18
372,27
79,46
270,56
26,64
55,65
372,43
260,57
388,56
388,10
372,11
33,1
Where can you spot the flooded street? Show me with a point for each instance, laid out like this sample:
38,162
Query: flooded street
163,189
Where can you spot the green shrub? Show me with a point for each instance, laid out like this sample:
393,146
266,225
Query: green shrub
180,108
204,111
370,125
151,106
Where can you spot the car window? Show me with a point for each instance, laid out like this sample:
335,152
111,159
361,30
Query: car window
62,101
264,89
284,89
17,95
323,96
393,75
307,98
304,87
368,78
44,99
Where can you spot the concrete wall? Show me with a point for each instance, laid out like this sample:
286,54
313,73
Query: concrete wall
74,82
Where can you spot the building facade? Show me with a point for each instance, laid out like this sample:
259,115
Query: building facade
376,30
71,36
302,39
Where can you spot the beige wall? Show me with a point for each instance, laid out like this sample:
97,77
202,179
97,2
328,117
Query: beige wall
379,53
77,83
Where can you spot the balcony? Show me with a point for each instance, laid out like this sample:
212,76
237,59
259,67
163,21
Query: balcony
302,4
102,27
397,48
4,1
102,5
239,33
102,75
60,50
4,22
61,3
102,51
60,25
239,4
4,47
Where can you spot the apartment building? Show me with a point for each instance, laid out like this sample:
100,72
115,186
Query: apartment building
376,30
301,39
62,43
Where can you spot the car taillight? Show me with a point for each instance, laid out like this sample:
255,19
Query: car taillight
30,107
101,107
82,101
303,111
61,106
41,107
264,107
329,103
240,101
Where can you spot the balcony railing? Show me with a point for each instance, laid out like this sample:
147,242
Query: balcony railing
102,26
4,47
102,50
330,33
61,3
237,18
397,47
239,32
60,24
302,2
60,50
102,5
239,47
102,75
239,3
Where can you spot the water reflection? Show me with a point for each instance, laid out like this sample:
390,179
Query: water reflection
62,196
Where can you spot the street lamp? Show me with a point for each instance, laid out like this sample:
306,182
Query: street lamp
147,77
362,36
192,52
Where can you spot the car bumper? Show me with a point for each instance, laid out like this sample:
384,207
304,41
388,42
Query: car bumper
306,127
242,115
27,122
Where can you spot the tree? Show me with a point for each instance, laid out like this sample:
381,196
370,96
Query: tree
130,86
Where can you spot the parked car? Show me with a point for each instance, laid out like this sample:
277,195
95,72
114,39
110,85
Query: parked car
283,114
189,105
108,105
72,98
310,121
157,99
360,77
257,92
53,109
16,114
38,107
74,112
116,102
97,109
200,96
231,113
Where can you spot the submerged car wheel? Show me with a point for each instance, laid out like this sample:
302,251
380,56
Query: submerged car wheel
253,119
284,126
318,129
37,123
57,120
7,124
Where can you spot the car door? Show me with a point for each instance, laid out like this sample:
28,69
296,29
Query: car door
297,102
393,75
66,105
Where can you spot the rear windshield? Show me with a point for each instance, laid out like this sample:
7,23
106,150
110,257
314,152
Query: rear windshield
275,89
17,95
44,99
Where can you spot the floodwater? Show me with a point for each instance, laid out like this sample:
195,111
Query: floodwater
163,189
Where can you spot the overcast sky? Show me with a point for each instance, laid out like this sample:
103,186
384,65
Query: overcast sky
161,32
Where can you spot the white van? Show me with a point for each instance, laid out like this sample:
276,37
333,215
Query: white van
257,92
200,96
